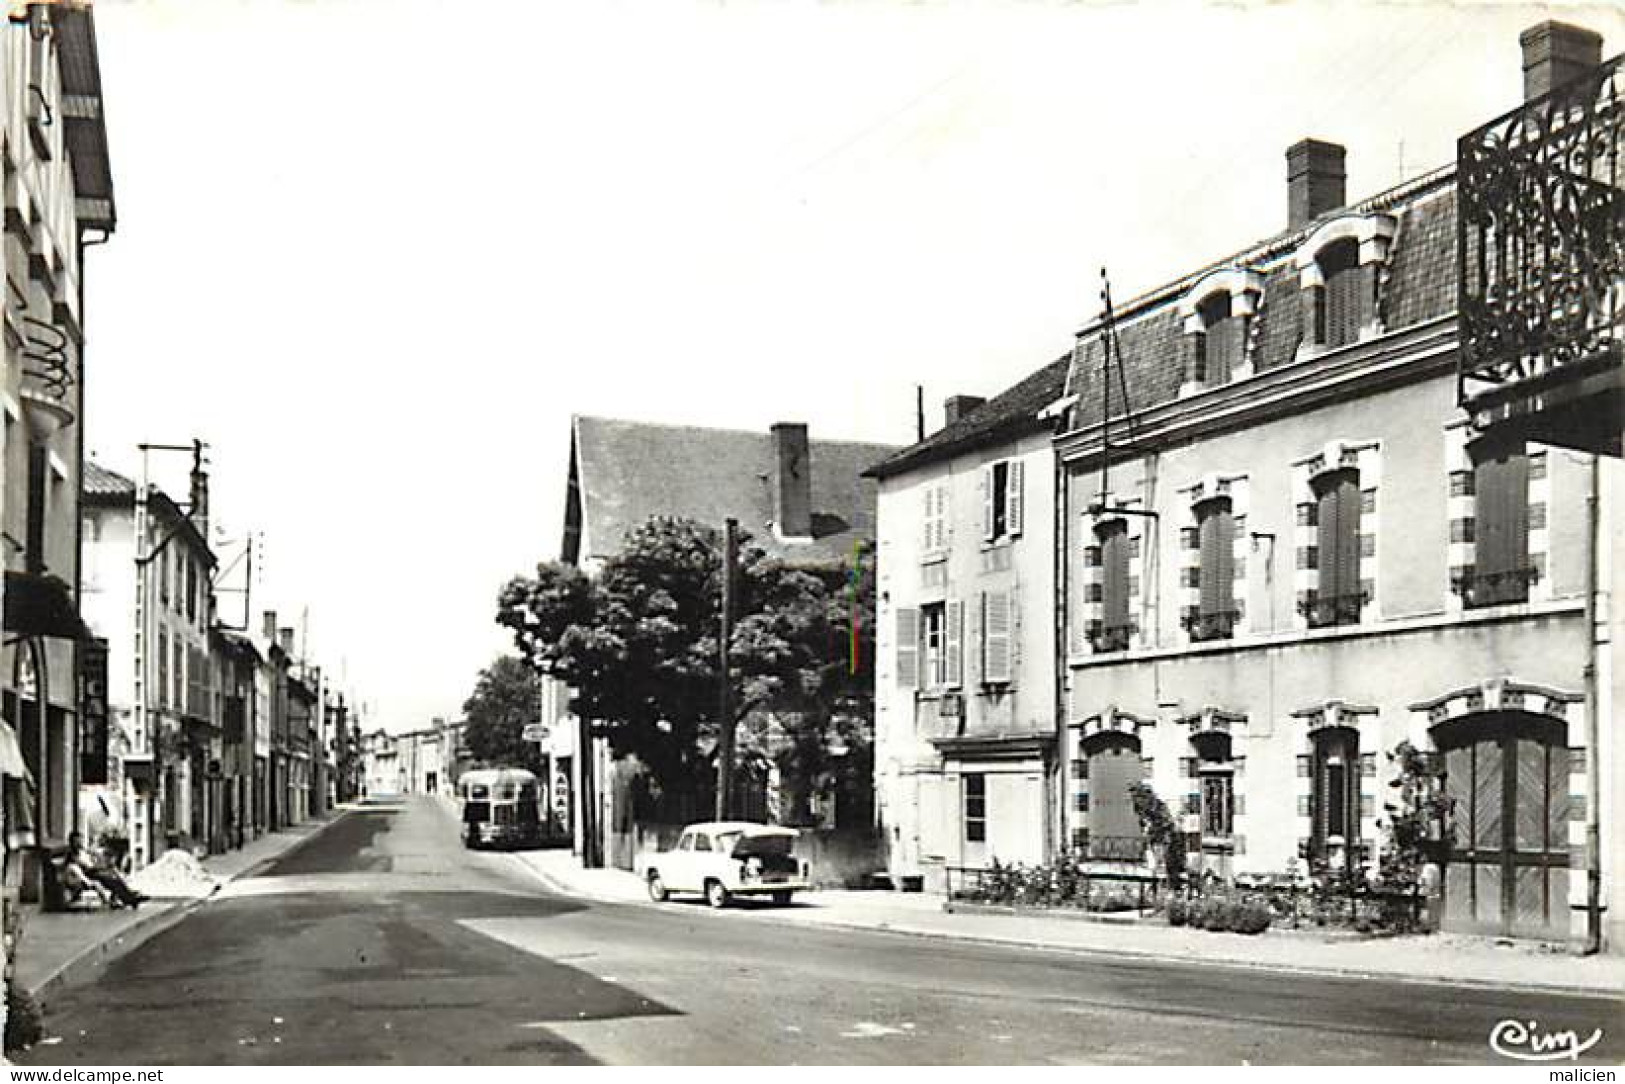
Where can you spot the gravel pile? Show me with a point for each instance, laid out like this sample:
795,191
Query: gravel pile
175,874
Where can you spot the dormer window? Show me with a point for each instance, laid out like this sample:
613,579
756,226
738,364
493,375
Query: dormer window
1218,313
1339,272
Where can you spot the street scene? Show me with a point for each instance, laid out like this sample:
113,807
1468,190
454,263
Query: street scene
383,941
1039,550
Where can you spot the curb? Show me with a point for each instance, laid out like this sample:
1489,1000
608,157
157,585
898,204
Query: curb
1134,955
137,933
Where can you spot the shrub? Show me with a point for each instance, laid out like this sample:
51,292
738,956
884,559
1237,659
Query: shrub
1250,917
1178,912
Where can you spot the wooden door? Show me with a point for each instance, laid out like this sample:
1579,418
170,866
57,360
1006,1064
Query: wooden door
1508,868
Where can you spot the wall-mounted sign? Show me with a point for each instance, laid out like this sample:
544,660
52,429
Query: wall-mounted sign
93,713
537,732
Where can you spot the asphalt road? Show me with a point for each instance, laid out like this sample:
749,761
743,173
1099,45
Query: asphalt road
381,941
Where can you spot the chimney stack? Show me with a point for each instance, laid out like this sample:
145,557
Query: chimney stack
957,406
199,511
285,641
1315,181
1554,53
268,625
792,480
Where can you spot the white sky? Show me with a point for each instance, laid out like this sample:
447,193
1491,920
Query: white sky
378,252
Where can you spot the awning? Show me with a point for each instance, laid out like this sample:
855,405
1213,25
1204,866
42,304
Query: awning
39,604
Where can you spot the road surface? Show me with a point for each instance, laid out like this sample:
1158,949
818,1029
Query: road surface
382,941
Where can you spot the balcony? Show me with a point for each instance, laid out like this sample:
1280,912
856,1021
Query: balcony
47,371
1541,265
1494,588
1105,638
1210,624
1325,611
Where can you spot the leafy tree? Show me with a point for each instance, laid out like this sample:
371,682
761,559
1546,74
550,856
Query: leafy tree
505,699
640,647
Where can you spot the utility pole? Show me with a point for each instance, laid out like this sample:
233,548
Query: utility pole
725,719
148,726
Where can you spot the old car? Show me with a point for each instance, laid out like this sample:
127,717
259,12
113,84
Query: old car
722,860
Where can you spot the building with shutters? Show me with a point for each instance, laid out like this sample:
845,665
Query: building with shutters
1293,552
147,593
966,741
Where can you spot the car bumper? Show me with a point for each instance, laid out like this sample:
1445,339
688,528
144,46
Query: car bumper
764,888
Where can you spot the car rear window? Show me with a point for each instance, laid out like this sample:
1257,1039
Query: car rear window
739,843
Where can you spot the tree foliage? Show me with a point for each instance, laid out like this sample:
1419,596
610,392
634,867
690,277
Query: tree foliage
640,648
505,698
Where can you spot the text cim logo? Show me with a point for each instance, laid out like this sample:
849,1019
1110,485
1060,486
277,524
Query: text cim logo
1526,1042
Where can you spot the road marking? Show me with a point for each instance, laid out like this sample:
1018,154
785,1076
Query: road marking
868,1029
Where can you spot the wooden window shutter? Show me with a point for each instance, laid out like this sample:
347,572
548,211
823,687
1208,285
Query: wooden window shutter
1338,533
37,467
1501,482
1216,532
928,541
943,522
1013,498
954,643
1114,573
908,646
995,636
987,503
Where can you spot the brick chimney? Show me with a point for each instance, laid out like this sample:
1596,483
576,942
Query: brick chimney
268,625
284,638
957,406
1315,181
792,480
1554,53
198,513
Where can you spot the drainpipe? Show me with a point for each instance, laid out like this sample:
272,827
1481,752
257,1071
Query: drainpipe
1593,942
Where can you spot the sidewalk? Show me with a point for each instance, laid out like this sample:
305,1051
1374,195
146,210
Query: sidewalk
54,946
1449,958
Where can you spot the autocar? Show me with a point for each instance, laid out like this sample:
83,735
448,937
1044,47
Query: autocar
725,860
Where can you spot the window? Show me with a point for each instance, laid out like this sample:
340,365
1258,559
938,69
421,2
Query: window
1218,345
1337,315
933,643
975,807
1001,500
1215,614
702,842
163,668
997,621
191,591
1502,570
163,577
1334,798
1218,802
936,518
1338,596
1115,628
37,470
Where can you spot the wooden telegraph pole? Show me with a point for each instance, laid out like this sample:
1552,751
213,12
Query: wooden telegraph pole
725,720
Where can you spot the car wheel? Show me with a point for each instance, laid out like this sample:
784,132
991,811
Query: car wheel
657,888
782,899
716,895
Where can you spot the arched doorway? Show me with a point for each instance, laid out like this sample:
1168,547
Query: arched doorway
1113,765
1507,871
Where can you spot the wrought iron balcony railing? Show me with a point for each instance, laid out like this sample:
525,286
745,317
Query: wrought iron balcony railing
1323,611
47,385
1104,638
1210,624
1541,239
1494,588
1111,848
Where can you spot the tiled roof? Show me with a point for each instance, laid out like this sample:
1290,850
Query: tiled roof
99,482
1011,413
632,471
1418,284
